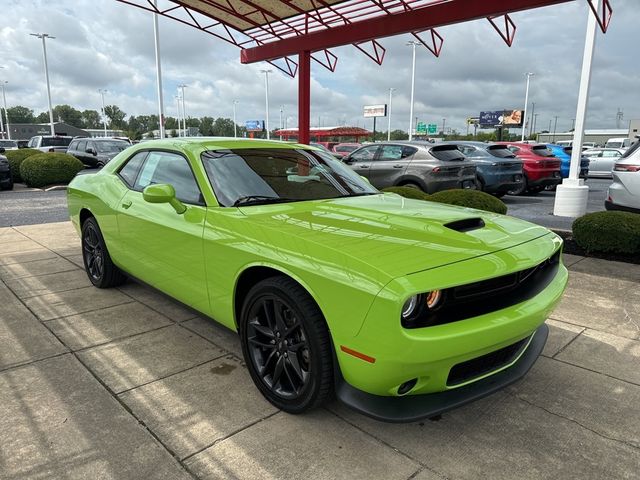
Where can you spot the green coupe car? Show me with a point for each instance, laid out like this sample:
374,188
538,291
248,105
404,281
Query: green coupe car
401,308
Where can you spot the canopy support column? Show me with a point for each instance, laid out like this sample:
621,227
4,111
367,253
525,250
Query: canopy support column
304,95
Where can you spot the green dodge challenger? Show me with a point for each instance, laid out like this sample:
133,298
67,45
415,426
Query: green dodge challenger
401,308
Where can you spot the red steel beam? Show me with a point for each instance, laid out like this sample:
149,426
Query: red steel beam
304,96
436,15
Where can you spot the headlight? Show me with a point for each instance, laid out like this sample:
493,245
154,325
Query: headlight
416,304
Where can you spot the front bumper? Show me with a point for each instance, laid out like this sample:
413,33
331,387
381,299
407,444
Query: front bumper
412,408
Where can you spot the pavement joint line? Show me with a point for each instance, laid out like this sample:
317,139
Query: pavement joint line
36,260
155,290
75,267
382,442
117,339
225,354
562,349
595,371
75,313
422,469
16,366
592,328
235,432
569,419
106,387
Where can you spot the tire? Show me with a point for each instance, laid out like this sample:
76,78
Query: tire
521,190
301,358
97,263
7,186
411,185
499,194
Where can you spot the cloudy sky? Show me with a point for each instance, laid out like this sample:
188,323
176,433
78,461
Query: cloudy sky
107,44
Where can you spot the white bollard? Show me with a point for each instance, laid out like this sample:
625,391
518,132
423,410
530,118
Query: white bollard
571,198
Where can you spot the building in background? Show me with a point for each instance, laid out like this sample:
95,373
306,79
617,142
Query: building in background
99,132
24,131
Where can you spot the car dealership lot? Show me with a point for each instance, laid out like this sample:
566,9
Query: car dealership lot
125,383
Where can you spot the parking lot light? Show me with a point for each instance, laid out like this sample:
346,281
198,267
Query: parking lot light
104,113
526,102
6,114
413,44
266,100
44,37
235,126
389,114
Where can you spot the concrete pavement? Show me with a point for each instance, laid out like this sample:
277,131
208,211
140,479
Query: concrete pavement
125,383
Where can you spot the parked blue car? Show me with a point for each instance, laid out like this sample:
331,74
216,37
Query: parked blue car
564,154
498,170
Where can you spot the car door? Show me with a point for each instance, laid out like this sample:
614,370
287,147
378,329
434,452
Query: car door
608,159
361,159
390,164
596,164
80,153
158,245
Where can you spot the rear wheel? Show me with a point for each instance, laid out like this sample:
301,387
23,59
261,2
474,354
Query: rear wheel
519,190
97,262
286,345
8,185
411,185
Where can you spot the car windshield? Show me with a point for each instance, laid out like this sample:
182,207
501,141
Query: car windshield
56,141
8,144
500,151
347,148
113,146
255,176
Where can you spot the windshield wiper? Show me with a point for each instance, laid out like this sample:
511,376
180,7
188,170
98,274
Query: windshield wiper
258,200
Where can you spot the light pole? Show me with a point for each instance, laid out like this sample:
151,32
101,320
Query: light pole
389,114
184,110
1,121
6,115
526,101
235,128
179,118
413,43
281,127
266,99
533,111
156,36
104,113
444,122
44,37
535,120
554,129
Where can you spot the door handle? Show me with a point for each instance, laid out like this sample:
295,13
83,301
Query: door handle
126,204
397,166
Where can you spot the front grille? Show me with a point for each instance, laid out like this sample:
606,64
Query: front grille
479,298
477,367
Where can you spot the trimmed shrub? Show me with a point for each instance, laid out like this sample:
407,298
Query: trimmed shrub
16,157
470,198
612,231
49,168
408,192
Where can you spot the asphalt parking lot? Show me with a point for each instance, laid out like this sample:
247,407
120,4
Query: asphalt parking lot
124,383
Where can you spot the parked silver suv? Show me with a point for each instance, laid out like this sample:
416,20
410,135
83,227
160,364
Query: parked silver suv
422,165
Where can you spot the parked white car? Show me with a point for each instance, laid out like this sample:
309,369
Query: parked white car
49,143
8,144
624,192
601,160
621,142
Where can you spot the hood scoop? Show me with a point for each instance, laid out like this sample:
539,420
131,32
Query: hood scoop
466,224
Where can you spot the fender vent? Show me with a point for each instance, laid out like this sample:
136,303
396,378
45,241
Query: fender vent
466,224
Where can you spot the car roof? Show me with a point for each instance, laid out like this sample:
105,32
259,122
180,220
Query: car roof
220,143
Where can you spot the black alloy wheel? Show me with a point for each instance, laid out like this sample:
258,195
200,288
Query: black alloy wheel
286,345
100,269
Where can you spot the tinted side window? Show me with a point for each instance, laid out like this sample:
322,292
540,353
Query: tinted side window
364,154
82,145
390,152
129,172
164,167
73,145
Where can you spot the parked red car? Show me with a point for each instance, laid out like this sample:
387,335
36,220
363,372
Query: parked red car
344,149
541,168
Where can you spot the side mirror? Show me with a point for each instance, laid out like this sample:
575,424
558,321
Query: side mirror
1,149
163,193
91,151
348,160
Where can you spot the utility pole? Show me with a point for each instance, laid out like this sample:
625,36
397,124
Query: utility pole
413,44
554,129
179,118
1,121
104,113
6,114
389,114
526,101
535,120
444,121
266,100
281,127
156,36
44,37
235,125
533,109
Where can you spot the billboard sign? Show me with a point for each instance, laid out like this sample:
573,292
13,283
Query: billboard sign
254,125
375,110
497,118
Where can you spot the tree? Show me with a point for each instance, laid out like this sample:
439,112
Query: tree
174,133
42,117
150,136
222,127
206,126
115,116
170,123
68,114
20,114
399,135
91,119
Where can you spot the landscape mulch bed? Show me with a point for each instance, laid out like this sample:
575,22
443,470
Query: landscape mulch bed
571,247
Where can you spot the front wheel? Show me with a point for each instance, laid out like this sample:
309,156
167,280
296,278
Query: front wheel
286,345
97,262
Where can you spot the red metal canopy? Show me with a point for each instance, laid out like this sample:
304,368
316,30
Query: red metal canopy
275,30
320,132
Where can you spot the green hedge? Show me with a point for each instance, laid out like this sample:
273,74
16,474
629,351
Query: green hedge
615,232
408,192
49,168
16,157
470,198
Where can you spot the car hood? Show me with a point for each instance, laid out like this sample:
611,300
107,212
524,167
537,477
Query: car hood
393,234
